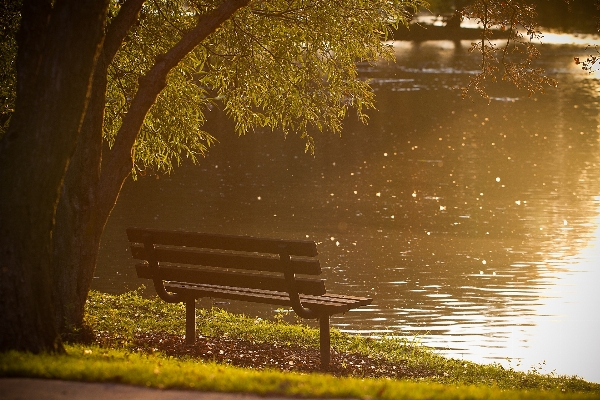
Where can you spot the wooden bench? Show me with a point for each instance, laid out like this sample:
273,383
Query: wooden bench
185,266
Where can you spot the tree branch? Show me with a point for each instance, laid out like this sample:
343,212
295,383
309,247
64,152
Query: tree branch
118,28
119,160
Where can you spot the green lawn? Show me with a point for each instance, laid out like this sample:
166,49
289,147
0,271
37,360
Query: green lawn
113,357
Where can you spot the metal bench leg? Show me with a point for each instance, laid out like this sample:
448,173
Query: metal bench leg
190,321
325,341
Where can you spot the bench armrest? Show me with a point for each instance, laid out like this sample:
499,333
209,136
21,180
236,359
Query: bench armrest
290,279
159,284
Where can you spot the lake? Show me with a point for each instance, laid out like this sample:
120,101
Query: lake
474,226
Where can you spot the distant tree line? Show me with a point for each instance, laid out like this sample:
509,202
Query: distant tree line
564,15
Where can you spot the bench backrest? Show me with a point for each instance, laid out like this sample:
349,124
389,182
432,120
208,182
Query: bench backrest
227,260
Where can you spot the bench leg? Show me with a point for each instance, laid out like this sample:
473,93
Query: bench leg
325,342
190,321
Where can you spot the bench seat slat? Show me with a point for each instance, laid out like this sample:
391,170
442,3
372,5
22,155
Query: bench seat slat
313,286
328,298
350,300
305,248
226,260
344,297
227,292
328,304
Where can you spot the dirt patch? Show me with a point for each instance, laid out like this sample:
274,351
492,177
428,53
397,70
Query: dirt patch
283,357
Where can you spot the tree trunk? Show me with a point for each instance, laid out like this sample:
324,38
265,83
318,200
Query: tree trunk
79,219
58,46
78,227
93,181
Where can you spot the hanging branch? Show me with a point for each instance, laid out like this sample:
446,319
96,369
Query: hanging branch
518,52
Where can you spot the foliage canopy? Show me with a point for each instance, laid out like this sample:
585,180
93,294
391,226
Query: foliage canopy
288,65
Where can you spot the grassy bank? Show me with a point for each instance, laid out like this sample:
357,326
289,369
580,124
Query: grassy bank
118,355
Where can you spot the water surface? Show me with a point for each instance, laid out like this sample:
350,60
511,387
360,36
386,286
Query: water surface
474,226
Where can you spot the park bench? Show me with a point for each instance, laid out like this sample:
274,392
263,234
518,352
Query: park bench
185,266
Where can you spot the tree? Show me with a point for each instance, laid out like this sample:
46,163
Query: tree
282,64
91,184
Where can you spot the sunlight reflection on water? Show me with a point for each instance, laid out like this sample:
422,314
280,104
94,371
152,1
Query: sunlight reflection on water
569,310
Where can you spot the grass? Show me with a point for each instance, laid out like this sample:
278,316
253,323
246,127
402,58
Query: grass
117,365
117,319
